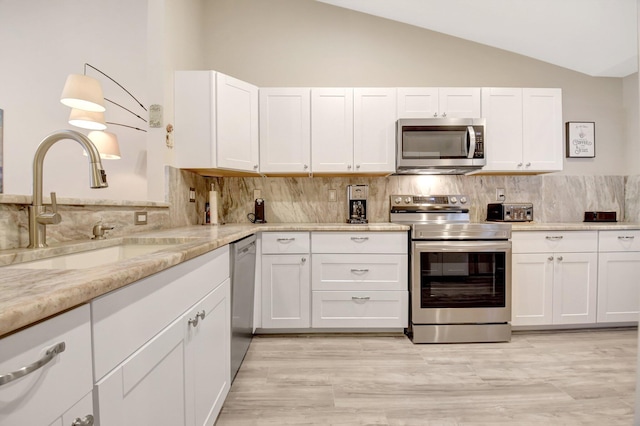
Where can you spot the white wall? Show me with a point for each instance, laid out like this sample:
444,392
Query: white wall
42,42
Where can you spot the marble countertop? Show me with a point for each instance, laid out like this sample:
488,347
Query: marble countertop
574,226
30,295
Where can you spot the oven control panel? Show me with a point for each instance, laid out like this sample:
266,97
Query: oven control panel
428,201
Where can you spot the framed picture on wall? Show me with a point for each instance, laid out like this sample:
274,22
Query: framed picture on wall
581,139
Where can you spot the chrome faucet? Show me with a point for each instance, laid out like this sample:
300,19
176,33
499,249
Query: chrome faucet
38,216
99,229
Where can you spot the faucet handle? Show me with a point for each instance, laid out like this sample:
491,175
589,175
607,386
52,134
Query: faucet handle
52,218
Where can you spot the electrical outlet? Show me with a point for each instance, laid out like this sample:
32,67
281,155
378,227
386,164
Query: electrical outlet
333,196
192,195
140,218
500,194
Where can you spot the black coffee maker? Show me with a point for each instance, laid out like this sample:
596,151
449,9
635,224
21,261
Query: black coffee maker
357,203
258,216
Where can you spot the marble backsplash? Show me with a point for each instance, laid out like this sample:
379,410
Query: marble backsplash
556,198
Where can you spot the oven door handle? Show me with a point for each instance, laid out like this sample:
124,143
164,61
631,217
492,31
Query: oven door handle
461,246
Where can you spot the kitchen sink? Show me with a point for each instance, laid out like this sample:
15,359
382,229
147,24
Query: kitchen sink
95,257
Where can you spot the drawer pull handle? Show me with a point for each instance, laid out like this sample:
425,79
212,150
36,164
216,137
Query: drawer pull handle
626,237
285,240
199,316
360,299
359,239
86,421
359,271
51,353
560,258
554,238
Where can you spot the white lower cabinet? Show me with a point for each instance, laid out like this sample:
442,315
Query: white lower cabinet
285,280
59,390
359,280
554,278
163,346
618,270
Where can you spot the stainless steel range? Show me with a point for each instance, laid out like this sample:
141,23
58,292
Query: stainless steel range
460,277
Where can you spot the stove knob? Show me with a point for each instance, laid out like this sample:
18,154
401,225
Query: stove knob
407,200
463,200
397,200
453,200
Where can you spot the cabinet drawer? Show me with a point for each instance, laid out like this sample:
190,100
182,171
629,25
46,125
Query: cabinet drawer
359,272
623,240
285,242
48,392
554,241
125,319
359,242
361,309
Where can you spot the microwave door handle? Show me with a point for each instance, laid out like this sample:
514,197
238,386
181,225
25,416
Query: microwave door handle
471,137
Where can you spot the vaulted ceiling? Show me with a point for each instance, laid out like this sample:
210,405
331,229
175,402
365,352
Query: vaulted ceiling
594,37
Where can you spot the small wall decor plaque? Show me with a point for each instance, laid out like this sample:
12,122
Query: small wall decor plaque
581,139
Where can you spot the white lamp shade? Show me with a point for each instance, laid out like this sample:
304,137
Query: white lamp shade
87,119
83,92
107,144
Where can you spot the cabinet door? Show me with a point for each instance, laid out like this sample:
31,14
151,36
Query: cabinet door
459,102
575,288
237,124
208,363
374,136
48,392
618,288
502,110
417,102
285,130
286,291
542,129
532,287
332,130
195,119
149,387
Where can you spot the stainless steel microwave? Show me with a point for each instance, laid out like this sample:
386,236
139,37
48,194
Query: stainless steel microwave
440,145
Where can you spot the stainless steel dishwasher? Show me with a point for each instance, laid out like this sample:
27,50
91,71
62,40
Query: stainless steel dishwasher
243,265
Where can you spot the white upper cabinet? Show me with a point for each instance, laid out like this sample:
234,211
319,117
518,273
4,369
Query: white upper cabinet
332,129
434,102
216,122
374,135
285,130
353,130
524,129
237,122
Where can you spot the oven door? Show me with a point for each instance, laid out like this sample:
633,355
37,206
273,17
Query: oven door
461,282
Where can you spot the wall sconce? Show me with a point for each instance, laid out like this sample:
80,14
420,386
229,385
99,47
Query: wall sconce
84,95
107,144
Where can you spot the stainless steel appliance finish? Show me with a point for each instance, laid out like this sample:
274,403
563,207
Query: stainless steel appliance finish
460,271
243,261
357,203
440,145
510,212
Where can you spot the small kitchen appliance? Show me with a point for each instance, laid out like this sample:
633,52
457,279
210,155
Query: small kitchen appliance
357,203
600,217
510,212
460,272
258,215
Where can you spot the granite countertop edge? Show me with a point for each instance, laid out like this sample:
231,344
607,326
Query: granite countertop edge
31,295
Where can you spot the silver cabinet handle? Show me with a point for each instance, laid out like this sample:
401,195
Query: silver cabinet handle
528,164
444,114
435,115
306,167
199,316
559,257
550,258
626,237
51,353
349,166
285,240
303,260
360,299
357,166
519,164
553,237
86,421
359,239
356,271
255,167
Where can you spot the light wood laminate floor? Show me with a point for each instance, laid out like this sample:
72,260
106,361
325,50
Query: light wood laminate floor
551,378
